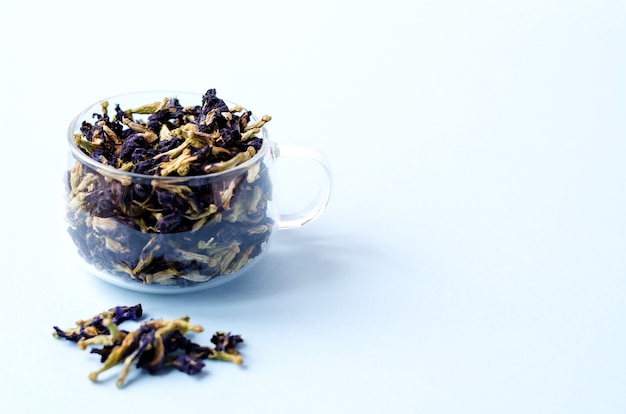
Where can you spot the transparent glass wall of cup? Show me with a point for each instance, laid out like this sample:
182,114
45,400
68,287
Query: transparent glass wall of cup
229,216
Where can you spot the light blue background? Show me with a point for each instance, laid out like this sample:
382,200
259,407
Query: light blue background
471,259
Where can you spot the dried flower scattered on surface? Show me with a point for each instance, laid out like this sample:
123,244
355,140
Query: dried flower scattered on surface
156,345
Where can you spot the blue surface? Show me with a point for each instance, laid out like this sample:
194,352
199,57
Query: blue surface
471,259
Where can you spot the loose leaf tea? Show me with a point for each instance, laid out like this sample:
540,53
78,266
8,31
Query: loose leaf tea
155,345
185,214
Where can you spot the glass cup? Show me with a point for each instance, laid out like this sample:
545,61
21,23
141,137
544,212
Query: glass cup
172,234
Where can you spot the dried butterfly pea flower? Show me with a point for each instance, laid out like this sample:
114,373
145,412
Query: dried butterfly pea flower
188,364
225,342
156,232
156,344
96,325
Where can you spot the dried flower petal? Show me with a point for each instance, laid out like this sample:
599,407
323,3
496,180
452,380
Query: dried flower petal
95,325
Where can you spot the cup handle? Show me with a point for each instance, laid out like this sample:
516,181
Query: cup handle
319,203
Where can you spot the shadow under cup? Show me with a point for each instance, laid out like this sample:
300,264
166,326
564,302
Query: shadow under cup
170,234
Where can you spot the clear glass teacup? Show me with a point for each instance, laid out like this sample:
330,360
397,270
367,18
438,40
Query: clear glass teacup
177,233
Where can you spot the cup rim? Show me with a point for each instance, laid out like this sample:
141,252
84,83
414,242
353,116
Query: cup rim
127,175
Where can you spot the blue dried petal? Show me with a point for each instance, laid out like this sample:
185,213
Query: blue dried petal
170,222
127,313
86,129
141,191
98,154
131,144
144,161
146,356
229,137
119,113
159,118
74,336
210,102
225,342
98,202
188,364
104,352
226,234
169,200
168,144
175,341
